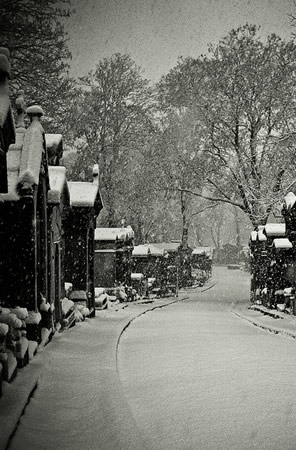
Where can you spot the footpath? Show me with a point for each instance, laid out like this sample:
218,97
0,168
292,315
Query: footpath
269,319
75,378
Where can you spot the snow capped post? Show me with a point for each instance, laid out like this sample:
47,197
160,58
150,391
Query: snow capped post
96,172
20,108
35,112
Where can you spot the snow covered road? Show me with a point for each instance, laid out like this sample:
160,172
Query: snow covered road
198,377
190,375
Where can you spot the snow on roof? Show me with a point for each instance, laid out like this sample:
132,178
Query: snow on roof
169,247
148,249
82,193
275,229
31,155
156,251
53,140
141,250
137,276
290,200
260,235
54,145
57,183
282,243
202,251
113,234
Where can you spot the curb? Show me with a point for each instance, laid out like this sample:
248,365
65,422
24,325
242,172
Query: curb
272,329
14,401
212,285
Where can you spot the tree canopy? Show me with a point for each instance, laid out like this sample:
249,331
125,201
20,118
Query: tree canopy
113,124
242,95
33,31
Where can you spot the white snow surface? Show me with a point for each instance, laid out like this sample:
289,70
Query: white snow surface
193,375
57,182
83,194
141,250
202,251
53,140
198,377
275,229
261,235
112,234
148,249
282,243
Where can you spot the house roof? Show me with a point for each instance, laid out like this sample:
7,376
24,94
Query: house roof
113,234
83,194
260,235
53,140
156,251
141,250
169,247
58,183
282,243
275,229
253,236
202,251
290,200
148,249
54,145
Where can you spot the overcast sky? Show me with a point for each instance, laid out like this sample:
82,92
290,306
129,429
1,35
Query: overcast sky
156,32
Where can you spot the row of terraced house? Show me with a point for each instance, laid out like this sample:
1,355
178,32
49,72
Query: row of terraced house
273,261
47,228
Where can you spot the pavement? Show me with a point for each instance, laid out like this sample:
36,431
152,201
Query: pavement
269,319
105,330
104,333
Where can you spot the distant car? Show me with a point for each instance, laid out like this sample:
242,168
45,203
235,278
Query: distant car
101,298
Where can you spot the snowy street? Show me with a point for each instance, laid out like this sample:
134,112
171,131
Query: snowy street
190,375
198,377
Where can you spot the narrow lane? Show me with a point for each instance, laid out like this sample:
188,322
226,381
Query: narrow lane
197,377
